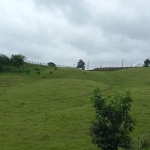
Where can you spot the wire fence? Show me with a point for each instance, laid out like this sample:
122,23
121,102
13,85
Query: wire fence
46,64
90,66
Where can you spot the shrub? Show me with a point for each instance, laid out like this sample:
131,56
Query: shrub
113,122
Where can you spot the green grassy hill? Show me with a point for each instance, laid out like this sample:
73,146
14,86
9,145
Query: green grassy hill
52,110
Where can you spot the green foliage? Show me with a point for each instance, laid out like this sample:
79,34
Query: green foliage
113,122
4,61
51,64
81,64
17,60
146,63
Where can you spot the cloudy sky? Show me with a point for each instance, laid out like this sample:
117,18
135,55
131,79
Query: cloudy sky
102,32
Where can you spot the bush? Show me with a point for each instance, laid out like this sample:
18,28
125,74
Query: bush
113,122
51,64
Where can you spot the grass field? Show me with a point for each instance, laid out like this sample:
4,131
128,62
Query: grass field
52,110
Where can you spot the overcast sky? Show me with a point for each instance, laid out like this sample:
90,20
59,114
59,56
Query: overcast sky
102,32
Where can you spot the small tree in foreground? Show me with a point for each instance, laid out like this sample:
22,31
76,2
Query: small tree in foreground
113,123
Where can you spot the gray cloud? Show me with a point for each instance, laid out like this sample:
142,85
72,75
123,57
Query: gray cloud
76,11
101,32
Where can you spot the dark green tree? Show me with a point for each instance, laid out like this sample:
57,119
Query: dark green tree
113,122
81,64
17,60
51,64
146,63
4,61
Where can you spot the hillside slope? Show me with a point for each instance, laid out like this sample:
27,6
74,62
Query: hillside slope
52,110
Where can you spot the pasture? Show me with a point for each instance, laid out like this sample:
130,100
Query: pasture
52,110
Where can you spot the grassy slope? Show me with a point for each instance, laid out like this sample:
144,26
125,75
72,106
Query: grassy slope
44,111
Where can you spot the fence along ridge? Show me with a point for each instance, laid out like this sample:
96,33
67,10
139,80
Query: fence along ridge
46,64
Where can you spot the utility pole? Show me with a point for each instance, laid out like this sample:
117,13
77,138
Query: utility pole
122,62
88,65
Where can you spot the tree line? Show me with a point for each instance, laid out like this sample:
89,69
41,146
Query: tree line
18,60
14,60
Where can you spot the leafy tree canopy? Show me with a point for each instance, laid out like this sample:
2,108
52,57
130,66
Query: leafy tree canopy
17,60
113,122
51,64
81,64
4,61
146,63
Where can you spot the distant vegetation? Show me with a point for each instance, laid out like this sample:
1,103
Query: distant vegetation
18,61
146,63
81,64
51,64
4,61
15,60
